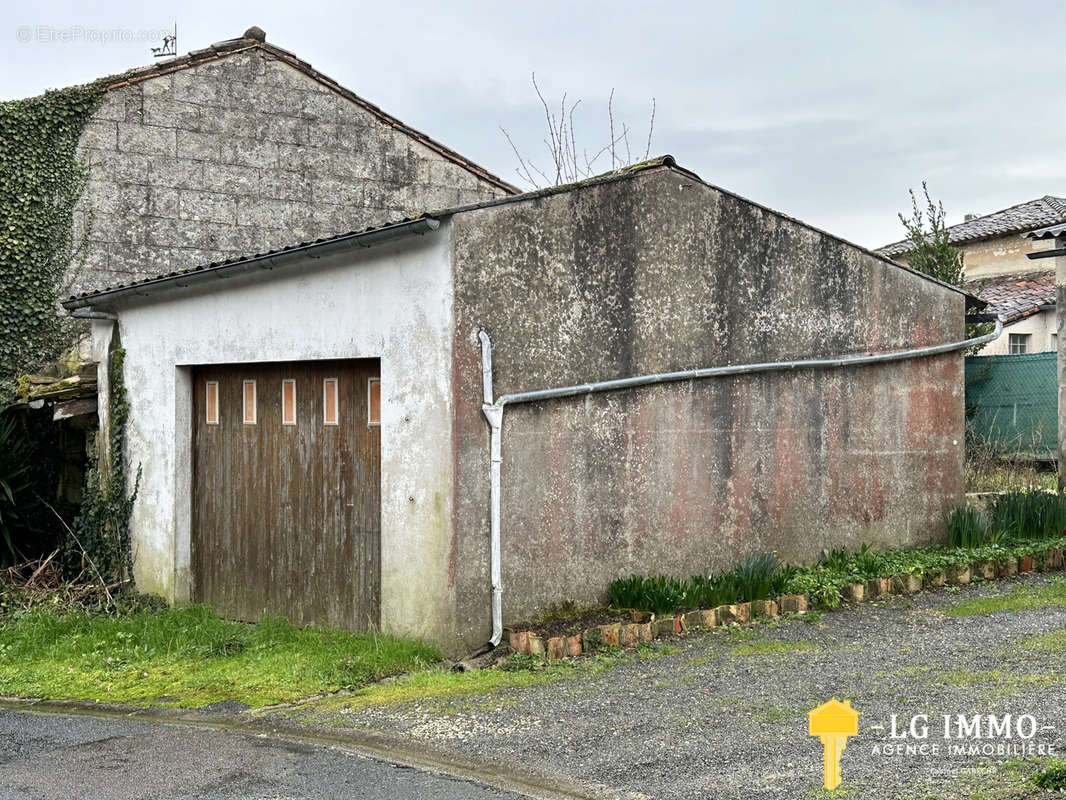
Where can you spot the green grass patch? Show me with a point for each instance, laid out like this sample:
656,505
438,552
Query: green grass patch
1052,777
189,657
1053,642
1020,598
767,647
1001,683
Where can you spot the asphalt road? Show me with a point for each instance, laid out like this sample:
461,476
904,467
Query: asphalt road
69,757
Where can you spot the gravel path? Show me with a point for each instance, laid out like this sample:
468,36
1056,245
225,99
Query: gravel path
723,714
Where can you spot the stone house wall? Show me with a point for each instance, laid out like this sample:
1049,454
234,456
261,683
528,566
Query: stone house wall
241,154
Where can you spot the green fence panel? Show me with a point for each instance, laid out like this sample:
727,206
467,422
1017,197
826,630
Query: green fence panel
1012,401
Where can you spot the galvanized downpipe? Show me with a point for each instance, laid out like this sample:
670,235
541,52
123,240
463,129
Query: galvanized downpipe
493,411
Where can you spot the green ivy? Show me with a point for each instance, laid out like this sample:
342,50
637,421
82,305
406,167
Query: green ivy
103,526
40,183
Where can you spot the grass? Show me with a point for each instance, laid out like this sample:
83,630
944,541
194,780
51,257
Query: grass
449,687
1053,642
768,647
1001,683
189,657
1020,598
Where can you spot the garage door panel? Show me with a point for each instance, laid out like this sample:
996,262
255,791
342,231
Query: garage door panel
286,516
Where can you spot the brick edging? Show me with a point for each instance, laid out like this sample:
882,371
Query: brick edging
646,627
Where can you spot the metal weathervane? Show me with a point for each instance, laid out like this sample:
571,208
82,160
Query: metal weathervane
170,45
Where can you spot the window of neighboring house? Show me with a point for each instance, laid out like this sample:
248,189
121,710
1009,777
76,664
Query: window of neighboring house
249,403
373,396
288,402
330,402
1019,343
212,403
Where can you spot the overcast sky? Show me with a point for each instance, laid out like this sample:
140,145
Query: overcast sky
827,111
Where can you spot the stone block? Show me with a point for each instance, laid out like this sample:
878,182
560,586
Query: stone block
743,612
630,635
146,139
573,646
639,616
1054,558
1026,563
710,617
249,152
855,592
536,645
726,614
765,609
592,640
198,146
207,207
679,624
231,179
520,641
612,634
986,569
663,626
556,647
935,579
793,603
693,620
878,587
99,135
959,574
178,173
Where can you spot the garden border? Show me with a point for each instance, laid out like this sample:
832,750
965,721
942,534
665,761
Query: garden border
646,627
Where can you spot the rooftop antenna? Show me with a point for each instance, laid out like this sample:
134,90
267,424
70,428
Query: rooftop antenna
170,45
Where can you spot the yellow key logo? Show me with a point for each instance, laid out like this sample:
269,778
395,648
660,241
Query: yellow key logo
833,722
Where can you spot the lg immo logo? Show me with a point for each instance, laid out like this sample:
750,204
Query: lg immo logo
833,722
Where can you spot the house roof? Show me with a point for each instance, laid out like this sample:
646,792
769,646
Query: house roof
429,221
1047,210
1015,297
1050,232
255,39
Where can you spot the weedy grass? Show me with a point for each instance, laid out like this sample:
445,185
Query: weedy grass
1052,777
189,657
1020,598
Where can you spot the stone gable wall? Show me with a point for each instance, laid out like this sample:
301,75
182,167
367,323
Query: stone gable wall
238,156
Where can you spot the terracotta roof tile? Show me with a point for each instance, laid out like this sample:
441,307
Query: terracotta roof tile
1014,297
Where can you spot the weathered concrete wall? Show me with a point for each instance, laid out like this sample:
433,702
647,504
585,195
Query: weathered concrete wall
393,302
238,156
656,273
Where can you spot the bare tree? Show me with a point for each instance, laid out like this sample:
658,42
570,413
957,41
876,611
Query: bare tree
568,164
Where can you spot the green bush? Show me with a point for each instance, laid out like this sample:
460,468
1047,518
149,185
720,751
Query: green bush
1052,777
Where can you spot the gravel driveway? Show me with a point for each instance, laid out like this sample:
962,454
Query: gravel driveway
723,714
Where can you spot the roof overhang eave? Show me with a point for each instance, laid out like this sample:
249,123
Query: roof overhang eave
269,261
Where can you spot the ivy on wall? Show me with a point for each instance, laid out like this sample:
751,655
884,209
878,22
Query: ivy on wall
103,526
40,182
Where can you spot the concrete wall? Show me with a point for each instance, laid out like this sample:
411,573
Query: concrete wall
660,272
238,156
1041,327
393,302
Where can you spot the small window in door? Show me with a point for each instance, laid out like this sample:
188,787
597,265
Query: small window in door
373,401
249,403
330,415
288,401
211,403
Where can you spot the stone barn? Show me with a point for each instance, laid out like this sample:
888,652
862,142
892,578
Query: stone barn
355,431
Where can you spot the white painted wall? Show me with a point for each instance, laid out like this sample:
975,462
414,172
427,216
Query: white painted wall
393,302
1041,327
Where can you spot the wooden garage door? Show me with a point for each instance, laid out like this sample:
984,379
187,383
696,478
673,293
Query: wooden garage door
286,482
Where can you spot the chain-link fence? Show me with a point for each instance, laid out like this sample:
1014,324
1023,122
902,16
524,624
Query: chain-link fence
1012,405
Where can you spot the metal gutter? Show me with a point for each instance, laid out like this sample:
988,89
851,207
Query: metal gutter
272,260
493,411
1061,251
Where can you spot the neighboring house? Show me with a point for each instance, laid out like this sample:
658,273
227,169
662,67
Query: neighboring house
1026,304
993,244
242,147
316,430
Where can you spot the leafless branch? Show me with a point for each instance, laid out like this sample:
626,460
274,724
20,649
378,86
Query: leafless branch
651,127
84,552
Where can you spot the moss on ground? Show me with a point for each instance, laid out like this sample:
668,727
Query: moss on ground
1020,598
